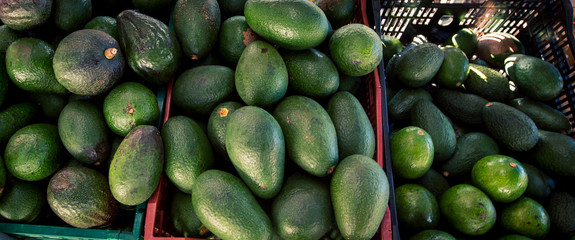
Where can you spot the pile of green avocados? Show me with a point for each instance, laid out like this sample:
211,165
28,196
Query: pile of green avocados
476,148
266,137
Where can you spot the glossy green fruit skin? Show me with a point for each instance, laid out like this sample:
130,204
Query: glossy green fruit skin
355,49
291,24
197,24
487,83
302,209
468,209
354,131
257,86
501,177
81,66
84,132
432,234
411,151
34,152
152,49
29,65
311,73
25,15
257,149
429,117
217,123
225,205
470,148
235,35
415,66
188,152
359,193
526,217
80,206
198,90
454,68
310,136
137,165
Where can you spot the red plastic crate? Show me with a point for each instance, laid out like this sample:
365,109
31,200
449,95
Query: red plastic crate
156,226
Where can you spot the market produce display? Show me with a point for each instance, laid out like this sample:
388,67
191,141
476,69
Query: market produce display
252,111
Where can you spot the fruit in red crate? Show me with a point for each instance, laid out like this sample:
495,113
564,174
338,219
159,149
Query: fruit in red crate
415,66
411,151
197,24
302,209
183,217
197,91
216,129
25,15
311,73
256,147
501,177
34,152
468,209
354,131
355,49
225,205
359,193
291,24
187,150
128,105
78,205
88,62
137,165
29,65
84,133
151,48
310,137
494,47
261,86
534,77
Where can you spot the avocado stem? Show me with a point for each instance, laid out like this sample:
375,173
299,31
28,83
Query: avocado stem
110,53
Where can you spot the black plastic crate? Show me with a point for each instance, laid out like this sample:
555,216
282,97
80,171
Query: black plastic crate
545,28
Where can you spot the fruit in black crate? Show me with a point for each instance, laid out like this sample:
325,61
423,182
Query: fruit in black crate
501,177
106,24
71,15
454,68
495,47
426,115
411,150
470,148
15,117
417,207
553,153
545,117
534,77
526,217
487,83
464,39
510,127
399,107
415,66
468,209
